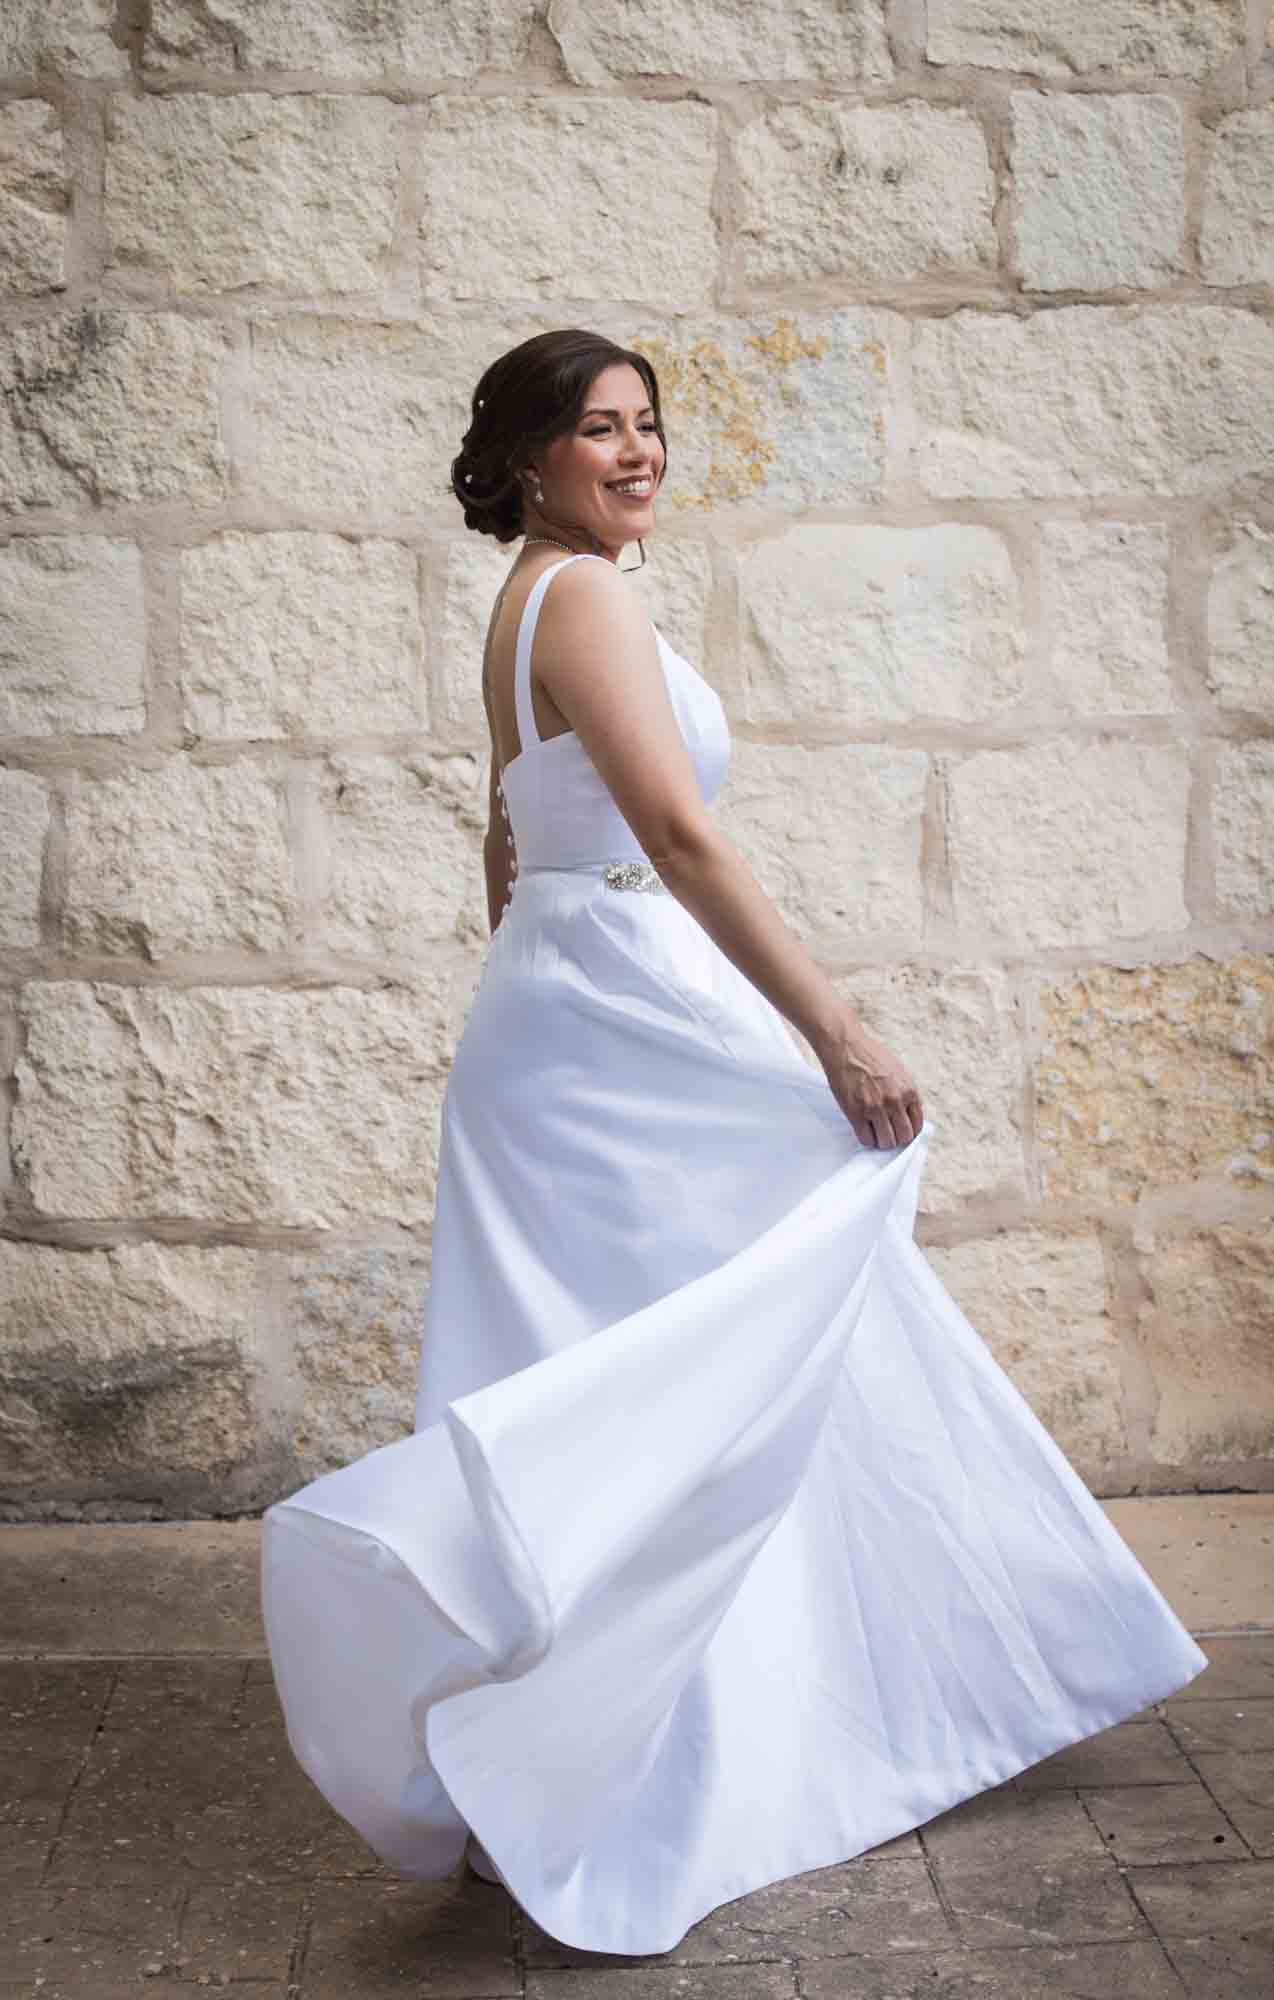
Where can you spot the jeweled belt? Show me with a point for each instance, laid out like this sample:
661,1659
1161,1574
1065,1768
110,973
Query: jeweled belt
615,874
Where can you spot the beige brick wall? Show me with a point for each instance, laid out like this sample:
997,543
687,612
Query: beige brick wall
964,315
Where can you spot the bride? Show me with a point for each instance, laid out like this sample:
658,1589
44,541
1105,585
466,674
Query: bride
603,472
721,1548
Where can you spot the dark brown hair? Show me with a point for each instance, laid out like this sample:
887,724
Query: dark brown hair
524,400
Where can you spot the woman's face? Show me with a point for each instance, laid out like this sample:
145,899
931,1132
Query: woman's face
613,442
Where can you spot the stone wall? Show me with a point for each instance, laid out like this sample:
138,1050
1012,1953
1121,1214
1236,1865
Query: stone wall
963,319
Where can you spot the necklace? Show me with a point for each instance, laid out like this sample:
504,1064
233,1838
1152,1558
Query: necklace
528,539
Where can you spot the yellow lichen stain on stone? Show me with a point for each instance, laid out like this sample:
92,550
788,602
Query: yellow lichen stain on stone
710,398
786,344
875,352
1156,1076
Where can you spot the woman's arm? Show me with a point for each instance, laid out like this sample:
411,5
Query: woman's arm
600,664
877,1093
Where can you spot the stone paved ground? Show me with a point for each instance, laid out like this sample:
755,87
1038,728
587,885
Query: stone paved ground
156,1836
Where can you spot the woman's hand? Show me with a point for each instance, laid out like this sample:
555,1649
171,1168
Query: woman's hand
876,1092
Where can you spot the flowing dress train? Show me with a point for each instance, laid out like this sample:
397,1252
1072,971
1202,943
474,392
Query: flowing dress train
722,1549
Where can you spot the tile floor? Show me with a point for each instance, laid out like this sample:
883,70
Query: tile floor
156,1837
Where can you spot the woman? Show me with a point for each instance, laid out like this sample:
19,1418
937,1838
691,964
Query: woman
722,1549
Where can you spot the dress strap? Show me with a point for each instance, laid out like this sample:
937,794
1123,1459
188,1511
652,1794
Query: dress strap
527,731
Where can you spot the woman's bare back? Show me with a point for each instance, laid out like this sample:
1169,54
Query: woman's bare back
498,662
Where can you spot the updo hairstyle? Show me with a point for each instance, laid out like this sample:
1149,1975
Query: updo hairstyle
529,396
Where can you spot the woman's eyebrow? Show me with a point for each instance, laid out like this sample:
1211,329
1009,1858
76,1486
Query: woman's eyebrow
598,412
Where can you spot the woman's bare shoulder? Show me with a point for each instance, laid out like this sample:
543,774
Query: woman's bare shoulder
589,590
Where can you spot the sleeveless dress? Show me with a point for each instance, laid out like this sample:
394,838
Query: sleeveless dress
722,1548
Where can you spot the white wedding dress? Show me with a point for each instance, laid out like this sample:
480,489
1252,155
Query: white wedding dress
722,1549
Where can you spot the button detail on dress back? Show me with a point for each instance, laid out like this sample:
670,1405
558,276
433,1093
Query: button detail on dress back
508,834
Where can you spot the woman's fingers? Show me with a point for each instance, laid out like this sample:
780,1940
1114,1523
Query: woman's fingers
876,1092
893,1124
878,1095
882,1130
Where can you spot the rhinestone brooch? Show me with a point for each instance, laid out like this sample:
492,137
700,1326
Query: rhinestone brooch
632,875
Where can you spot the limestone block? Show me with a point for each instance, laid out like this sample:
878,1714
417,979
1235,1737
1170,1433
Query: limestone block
1068,843
1241,620
1155,1076
1103,613
786,410
845,869
216,192
1243,828
864,192
127,1366
183,857
307,1109
34,197
405,853
1100,188
959,1034
592,210
24,822
1207,1334
1094,399
819,40
1070,37
286,634
356,1330
1039,1302
864,625
45,38
342,38
675,585
360,416
72,636
104,405
1236,241
475,569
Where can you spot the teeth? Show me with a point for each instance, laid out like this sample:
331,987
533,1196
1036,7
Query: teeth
631,485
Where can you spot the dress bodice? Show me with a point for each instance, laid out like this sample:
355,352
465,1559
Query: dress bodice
560,810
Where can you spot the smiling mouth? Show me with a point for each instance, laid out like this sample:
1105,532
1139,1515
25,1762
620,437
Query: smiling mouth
638,490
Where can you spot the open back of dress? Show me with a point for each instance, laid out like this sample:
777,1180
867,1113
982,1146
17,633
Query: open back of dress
722,1549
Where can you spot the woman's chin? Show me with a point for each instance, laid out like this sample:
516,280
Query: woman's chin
636,524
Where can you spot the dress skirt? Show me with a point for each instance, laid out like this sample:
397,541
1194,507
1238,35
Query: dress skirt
722,1549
